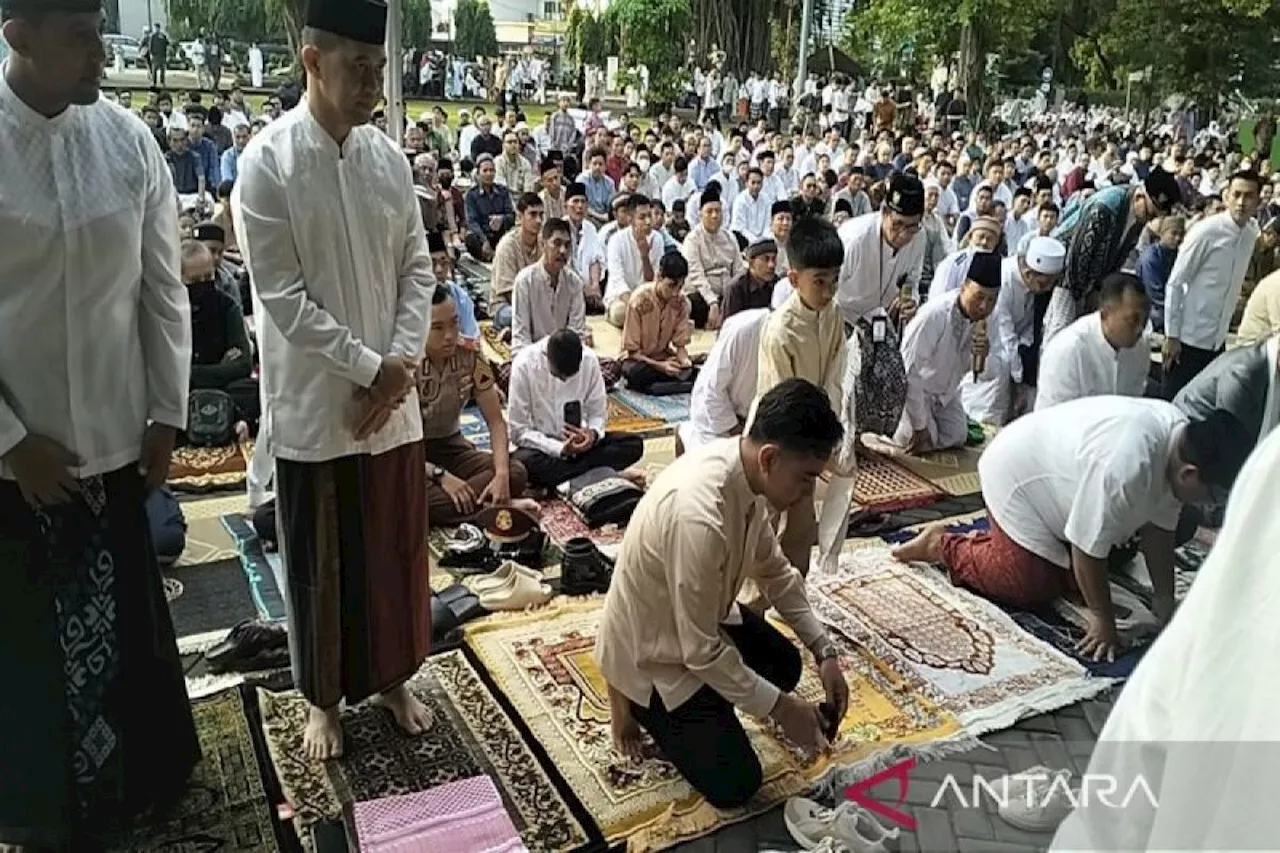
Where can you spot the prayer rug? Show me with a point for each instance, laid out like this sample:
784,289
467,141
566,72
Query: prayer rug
544,664
463,815
620,417
561,523
201,470
263,571
499,350
884,486
474,428
671,409
961,651
207,538
471,736
229,804
953,471
208,597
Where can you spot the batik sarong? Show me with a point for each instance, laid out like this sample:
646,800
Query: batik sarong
882,383
95,726
353,536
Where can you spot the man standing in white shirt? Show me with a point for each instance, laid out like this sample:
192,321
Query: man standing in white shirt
94,371
1204,285
1063,487
1102,353
333,238
726,385
558,413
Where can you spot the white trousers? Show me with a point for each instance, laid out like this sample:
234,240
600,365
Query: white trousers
946,421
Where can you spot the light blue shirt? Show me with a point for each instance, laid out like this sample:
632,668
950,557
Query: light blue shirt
230,164
702,171
599,193
467,325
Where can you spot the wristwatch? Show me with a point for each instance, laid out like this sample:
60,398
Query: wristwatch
435,474
826,651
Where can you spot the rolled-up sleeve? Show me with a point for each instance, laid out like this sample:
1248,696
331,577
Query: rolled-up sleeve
696,601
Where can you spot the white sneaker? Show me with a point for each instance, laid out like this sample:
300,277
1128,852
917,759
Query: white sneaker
810,822
858,830
1035,800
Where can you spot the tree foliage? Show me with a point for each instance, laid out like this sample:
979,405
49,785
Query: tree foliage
590,39
655,33
269,21
476,35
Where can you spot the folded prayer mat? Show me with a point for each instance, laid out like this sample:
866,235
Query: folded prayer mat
463,815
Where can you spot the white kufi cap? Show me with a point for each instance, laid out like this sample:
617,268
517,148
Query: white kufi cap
1046,255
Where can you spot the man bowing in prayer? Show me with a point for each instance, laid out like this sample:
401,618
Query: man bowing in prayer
94,726
938,348
333,239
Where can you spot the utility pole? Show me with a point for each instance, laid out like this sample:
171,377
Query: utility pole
802,65
393,85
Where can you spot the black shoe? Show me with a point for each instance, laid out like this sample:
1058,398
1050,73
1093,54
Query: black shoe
584,570
249,641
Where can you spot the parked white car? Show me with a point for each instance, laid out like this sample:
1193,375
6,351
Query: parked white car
127,47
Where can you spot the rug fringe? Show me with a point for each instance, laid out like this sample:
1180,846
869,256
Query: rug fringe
206,685
196,644
554,607
832,784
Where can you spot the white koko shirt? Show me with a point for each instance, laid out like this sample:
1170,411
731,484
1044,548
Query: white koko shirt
334,243
1205,281
536,407
96,334
1088,473
1079,362
726,385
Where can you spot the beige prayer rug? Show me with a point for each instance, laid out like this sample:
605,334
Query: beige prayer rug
471,736
959,650
953,471
200,470
621,417
208,540
543,662
494,347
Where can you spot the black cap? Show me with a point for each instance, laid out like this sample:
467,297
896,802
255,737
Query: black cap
575,190
435,242
711,195
984,270
906,195
780,206
1162,188
364,21
209,231
547,165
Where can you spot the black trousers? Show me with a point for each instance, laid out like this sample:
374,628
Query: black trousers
699,310
645,379
614,450
1191,360
703,737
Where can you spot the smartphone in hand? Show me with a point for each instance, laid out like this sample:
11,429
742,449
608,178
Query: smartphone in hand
573,414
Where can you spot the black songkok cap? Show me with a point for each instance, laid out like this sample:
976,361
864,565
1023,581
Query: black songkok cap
364,21
1162,188
984,270
780,206
906,195
711,195
575,190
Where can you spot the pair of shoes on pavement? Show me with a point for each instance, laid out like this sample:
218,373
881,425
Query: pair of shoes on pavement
584,570
1036,799
844,829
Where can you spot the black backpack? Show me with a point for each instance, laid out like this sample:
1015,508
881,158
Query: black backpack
211,420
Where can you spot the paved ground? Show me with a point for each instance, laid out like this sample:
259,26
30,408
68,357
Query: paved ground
1062,739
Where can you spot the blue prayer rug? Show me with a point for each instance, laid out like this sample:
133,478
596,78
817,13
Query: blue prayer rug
474,428
673,408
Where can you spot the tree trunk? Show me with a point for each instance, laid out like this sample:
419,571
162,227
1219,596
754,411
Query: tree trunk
972,67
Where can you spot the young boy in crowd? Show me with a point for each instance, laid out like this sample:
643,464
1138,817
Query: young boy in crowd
804,338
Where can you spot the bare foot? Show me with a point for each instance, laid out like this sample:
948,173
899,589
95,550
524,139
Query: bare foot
528,505
627,738
411,715
322,738
636,476
925,548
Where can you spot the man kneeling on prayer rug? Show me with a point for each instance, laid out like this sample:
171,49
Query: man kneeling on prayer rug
656,333
680,656
1065,486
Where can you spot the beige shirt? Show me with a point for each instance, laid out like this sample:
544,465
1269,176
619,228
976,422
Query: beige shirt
714,261
554,206
1262,311
509,258
799,342
514,173
698,533
655,327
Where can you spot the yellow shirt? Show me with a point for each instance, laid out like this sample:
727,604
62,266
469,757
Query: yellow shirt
695,537
799,342
1262,312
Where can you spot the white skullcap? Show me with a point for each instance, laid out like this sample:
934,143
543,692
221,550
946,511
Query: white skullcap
1046,255
178,122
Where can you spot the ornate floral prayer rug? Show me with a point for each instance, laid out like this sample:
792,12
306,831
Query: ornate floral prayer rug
471,736
200,470
884,486
543,663
561,523
623,418
671,409
499,350
961,651
228,804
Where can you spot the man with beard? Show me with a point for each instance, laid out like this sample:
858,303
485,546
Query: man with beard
333,238
94,371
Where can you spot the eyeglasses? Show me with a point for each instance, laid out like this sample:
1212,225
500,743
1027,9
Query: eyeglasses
899,227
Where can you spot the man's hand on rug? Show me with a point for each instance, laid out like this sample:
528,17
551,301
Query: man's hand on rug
801,722
40,466
157,448
836,687
1100,642
460,492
